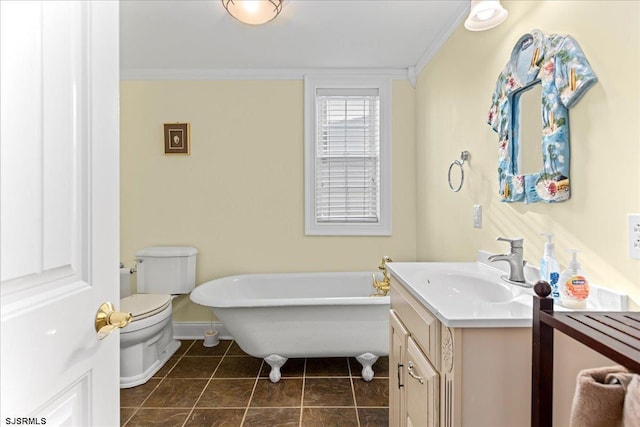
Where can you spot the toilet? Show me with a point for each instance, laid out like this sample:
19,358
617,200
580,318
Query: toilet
147,342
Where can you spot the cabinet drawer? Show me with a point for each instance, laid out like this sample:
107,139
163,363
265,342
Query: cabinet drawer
423,326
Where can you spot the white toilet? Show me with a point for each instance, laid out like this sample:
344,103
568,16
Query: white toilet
164,272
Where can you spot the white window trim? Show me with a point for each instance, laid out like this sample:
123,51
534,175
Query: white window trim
312,227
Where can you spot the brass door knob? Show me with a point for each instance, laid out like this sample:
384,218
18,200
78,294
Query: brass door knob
107,320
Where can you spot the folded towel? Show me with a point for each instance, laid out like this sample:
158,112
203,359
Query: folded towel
631,411
596,403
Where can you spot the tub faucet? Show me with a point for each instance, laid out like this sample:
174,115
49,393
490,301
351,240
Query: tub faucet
383,286
515,260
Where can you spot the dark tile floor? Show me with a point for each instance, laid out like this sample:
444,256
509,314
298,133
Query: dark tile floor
223,386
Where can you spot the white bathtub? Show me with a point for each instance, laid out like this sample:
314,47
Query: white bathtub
279,316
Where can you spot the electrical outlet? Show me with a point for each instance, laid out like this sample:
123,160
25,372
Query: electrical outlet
477,216
634,235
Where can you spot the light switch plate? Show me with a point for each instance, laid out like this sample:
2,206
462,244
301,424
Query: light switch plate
633,231
477,216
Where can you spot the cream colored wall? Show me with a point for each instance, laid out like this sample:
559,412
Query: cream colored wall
239,197
453,96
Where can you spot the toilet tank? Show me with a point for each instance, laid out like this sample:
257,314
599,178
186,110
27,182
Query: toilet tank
166,269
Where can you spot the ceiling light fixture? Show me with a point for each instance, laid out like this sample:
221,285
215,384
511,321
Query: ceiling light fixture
485,14
253,12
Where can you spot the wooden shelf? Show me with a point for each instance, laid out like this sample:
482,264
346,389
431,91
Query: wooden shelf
615,335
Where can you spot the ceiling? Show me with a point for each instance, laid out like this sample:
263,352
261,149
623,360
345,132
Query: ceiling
197,37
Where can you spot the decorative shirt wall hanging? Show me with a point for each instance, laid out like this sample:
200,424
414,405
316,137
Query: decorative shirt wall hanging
558,63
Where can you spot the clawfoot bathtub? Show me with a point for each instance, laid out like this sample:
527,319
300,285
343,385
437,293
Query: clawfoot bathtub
280,316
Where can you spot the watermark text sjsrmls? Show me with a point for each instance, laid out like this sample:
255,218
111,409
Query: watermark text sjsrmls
25,421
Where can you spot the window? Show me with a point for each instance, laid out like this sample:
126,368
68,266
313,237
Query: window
347,156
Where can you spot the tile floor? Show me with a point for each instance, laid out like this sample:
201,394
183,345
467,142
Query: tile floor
223,386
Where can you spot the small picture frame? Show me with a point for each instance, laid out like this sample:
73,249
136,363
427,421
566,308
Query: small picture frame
176,138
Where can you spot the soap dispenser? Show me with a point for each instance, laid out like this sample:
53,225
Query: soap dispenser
574,286
549,267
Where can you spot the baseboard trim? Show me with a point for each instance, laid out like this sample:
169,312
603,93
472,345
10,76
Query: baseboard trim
195,330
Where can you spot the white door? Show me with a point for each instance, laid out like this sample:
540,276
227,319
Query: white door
59,211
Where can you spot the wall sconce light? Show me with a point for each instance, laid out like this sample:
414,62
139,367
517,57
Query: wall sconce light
253,12
485,14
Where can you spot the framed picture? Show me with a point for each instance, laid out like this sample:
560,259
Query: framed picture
176,138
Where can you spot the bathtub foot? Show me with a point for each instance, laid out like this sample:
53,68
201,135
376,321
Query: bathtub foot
276,363
367,360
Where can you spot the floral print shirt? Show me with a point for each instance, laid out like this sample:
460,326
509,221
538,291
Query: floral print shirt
560,66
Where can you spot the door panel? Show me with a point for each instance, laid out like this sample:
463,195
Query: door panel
397,377
422,386
59,210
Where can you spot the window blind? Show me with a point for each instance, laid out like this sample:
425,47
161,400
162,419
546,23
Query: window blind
347,163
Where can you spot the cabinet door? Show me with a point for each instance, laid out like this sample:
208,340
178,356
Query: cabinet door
421,389
398,339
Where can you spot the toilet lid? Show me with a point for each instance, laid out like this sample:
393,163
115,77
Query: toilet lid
142,306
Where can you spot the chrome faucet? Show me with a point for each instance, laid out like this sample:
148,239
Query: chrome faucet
383,286
515,260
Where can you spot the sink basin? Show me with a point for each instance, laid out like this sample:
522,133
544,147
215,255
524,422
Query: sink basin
459,285
465,294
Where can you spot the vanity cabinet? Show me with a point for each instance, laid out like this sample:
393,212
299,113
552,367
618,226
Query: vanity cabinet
469,376
470,354
414,381
426,385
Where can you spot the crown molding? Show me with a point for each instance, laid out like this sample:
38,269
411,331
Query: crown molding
463,11
257,73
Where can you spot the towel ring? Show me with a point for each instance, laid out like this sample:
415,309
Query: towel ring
464,156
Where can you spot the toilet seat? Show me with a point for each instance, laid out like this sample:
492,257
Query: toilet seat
142,306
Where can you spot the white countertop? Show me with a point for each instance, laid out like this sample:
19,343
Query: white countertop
461,310
468,306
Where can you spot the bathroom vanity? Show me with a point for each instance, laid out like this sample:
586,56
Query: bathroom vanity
461,349
427,361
